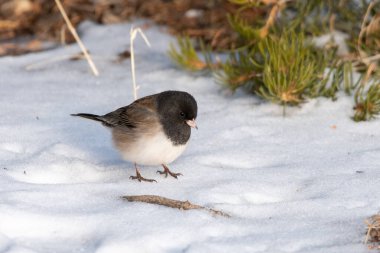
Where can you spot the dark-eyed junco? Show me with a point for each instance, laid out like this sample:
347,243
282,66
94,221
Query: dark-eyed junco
153,130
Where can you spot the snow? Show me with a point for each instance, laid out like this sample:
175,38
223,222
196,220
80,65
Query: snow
301,183
337,37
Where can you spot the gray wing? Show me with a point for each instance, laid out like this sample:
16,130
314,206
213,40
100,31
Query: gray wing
119,118
139,114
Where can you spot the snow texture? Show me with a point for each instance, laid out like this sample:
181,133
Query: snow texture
301,183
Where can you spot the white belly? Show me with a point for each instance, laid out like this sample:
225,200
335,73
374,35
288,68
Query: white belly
153,150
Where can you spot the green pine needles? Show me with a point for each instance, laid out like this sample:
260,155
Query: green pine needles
241,69
367,102
276,60
290,69
187,56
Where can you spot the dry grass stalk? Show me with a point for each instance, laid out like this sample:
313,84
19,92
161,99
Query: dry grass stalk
363,31
182,205
272,16
133,34
78,40
373,229
370,70
278,5
372,58
332,24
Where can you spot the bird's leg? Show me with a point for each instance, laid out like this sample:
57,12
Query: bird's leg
139,177
166,171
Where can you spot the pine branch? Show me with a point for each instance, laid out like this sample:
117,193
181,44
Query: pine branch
367,99
367,104
186,56
240,69
244,29
275,61
338,78
290,69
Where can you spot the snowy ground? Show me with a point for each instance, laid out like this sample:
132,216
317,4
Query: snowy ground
304,183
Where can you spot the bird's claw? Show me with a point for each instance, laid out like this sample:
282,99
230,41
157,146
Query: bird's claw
166,171
141,178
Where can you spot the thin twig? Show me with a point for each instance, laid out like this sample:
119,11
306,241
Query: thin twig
133,34
76,37
182,205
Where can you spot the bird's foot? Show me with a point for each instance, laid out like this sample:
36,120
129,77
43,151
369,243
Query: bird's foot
141,178
166,171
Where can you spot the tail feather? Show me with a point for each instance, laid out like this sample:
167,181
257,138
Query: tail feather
88,116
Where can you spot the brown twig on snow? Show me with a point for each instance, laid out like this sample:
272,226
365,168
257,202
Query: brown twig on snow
183,205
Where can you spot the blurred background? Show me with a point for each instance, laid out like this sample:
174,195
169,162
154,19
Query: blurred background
316,48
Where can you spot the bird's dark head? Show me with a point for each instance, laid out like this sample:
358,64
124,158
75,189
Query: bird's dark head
178,111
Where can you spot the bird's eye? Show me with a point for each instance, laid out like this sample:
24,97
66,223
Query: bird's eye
182,114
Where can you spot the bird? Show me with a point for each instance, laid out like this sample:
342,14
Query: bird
153,130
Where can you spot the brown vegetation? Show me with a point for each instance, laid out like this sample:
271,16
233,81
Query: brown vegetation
40,20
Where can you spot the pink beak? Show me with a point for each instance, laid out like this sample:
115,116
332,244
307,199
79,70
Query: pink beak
192,123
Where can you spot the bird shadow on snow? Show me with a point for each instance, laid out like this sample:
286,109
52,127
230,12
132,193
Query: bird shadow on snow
79,153
94,143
